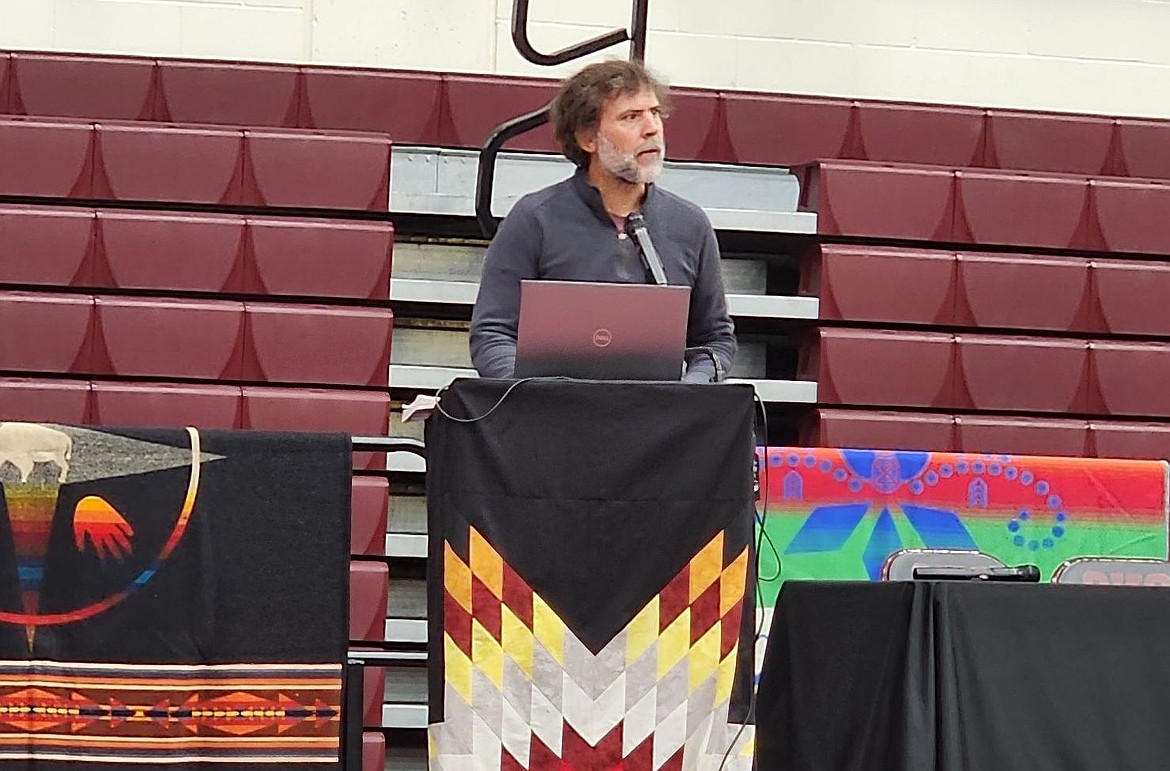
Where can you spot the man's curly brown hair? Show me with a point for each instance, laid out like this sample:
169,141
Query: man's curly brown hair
578,104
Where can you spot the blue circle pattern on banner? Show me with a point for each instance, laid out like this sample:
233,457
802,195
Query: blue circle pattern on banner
828,527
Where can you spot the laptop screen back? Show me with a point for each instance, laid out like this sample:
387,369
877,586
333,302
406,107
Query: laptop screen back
601,331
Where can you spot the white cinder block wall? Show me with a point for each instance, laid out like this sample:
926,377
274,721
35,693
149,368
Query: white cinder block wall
1096,56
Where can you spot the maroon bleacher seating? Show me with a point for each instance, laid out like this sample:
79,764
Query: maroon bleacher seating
478,104
457,109
1132,296
785,130
319,344
102,401
71,86
862,283
1076,144
369,585
322,258
165,405
145,162
1024,292
168,252
1144,148
5,104
1132,377
280,136
373,751
358,413
231,94
892,368
46,158
1133,215
373,695
878,430
876,201
880,368
48,333
1021,210
985,434
1112,439
43,399
1023,373
405,105
865,199
309,170
695,127
1022,436
45,246
169,338
914,133
988,290
369,505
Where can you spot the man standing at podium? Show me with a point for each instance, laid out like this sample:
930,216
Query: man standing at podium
608,120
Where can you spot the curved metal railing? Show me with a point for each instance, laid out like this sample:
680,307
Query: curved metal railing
486,171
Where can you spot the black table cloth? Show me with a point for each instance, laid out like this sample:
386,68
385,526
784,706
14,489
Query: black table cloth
962,676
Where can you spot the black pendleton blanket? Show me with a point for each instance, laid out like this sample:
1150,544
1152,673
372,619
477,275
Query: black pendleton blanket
171,598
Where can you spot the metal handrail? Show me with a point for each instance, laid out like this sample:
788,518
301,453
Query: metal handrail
485,177
591,46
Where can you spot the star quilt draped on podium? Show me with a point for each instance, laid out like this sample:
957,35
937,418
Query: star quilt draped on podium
171,598
590,566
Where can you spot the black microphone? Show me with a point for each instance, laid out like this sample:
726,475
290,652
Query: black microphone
636,229
1020,573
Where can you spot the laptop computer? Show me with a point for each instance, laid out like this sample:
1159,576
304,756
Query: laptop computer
598,331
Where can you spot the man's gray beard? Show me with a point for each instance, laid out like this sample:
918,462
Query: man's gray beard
625,166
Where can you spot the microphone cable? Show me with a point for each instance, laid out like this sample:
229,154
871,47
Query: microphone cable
493,408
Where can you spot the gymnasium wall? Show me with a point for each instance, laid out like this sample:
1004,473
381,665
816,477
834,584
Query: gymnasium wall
1094,56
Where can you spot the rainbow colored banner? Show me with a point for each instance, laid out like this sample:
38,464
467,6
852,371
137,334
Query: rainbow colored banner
837,514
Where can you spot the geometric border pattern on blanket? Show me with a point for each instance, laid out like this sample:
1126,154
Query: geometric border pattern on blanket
523,692
170,713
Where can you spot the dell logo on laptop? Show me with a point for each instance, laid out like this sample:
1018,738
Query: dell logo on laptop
602,338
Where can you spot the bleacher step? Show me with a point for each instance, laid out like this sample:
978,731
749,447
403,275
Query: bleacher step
408,514
404,715
449,348
413,290
416,377
464,263
432,180
410,545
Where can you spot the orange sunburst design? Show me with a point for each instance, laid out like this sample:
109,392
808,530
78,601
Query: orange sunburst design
30,618
107,531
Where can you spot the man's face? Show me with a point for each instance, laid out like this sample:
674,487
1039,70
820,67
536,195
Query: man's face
629,143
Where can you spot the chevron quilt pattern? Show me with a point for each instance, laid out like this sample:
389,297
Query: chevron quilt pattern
523,692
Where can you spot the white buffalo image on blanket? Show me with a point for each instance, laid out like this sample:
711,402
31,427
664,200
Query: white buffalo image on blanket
26,444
